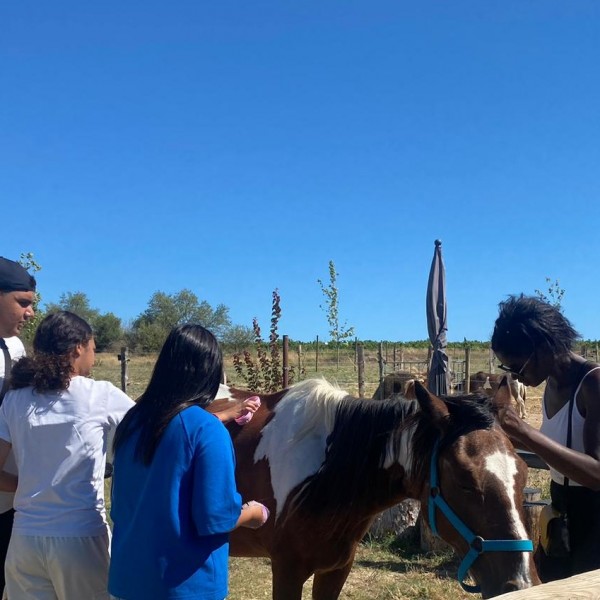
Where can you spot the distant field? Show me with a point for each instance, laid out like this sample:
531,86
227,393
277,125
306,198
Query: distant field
308,364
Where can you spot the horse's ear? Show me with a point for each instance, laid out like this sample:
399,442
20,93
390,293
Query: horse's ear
502,398
435,408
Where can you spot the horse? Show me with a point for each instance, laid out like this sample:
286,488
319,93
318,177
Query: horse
326,464
399,383
489,382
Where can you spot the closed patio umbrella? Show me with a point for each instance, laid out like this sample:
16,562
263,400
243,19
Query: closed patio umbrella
438,381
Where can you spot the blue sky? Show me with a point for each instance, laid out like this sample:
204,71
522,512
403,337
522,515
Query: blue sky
232,148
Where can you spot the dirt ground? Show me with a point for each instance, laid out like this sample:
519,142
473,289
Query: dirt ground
534,405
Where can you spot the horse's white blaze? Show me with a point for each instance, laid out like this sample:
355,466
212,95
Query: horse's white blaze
294,441
504,467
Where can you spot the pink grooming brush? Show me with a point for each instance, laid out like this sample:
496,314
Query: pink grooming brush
243,419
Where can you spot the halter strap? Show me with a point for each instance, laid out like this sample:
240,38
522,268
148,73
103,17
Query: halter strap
477,545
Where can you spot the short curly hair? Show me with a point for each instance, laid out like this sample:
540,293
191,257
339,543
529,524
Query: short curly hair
527,323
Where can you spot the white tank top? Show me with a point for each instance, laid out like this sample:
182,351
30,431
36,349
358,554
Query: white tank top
556,429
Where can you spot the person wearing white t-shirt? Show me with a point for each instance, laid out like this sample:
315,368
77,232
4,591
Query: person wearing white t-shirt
57,421
17,296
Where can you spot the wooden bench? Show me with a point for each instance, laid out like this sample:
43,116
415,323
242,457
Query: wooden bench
585,585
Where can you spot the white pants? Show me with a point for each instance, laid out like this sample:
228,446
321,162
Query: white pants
57,568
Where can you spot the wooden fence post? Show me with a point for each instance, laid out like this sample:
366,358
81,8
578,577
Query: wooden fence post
381,369
299,360
317,356
361,370
467,385
124,358
429,355
286,366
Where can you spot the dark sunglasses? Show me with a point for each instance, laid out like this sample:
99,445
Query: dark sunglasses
515,372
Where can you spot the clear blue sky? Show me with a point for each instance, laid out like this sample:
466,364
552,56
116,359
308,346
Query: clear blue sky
233,147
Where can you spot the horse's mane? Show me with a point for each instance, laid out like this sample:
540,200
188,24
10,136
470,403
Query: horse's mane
468,412
364,435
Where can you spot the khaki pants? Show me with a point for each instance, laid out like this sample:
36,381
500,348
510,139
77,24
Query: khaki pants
57,568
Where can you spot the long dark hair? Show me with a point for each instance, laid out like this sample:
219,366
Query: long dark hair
49,368
526,323
187,373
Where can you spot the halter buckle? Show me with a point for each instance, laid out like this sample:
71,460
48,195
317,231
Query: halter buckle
477,544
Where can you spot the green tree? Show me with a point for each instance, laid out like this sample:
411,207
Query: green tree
338,332
107,331
107,327
554,293
166,311
238,337
75,302
146,337
27,260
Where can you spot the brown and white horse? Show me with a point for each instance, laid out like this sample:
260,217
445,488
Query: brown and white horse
326,464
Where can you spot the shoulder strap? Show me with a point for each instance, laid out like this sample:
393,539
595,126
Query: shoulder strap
582,373
7,368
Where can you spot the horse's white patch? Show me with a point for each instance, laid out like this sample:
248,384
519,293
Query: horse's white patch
294,441
504,467
404,456
224,393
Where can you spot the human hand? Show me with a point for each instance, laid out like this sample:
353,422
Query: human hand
510,422
254,514
248,408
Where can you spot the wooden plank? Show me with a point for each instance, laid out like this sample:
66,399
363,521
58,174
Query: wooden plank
585,585
533,460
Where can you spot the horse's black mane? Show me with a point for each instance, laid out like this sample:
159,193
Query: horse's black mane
356,448
467,413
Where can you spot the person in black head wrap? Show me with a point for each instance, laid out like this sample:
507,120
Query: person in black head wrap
17,295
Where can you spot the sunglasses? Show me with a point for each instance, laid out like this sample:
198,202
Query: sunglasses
516,372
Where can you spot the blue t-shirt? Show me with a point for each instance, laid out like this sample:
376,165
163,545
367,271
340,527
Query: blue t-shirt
172,518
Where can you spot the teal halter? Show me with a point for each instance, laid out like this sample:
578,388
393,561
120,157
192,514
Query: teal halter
477,545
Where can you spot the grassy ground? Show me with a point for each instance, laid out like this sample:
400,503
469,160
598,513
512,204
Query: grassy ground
382,570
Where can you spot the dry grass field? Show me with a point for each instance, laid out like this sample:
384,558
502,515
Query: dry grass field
383,570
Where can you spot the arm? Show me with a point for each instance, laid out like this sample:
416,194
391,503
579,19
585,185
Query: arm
253,515
249,405
584,468
8,482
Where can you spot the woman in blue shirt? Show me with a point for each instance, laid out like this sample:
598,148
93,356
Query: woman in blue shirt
174,497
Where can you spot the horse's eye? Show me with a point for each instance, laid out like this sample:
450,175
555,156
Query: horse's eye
471,491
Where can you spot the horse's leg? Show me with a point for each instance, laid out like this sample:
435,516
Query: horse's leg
328,585
288,578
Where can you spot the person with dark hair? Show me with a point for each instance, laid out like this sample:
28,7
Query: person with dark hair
174,497
57,420
17,296
534,342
